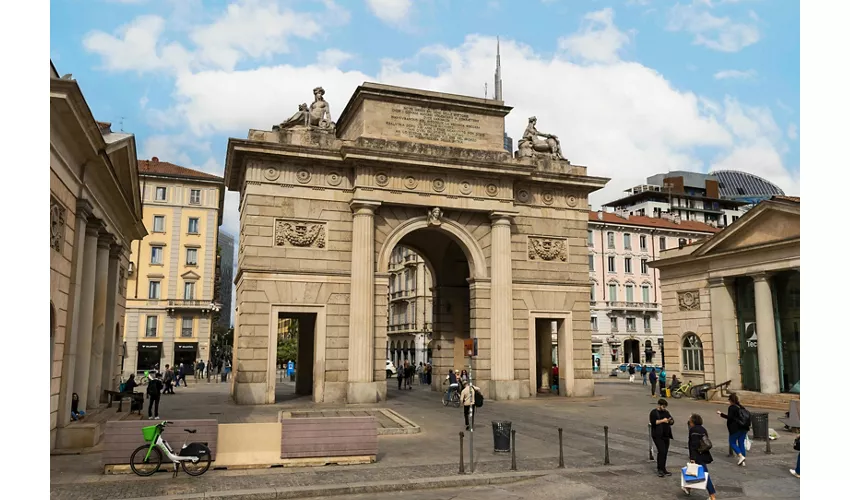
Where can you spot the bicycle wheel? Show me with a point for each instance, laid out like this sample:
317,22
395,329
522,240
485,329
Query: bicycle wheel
456,399
199,467
445,399
142,467
677,394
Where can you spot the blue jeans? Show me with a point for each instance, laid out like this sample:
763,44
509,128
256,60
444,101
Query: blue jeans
797,469
644,379
736,441
709,487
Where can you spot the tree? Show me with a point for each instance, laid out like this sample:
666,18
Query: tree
287,343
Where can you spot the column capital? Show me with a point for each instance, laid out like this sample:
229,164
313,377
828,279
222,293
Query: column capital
719,281
94,227
84,209
760,276
498,218
115,250
364,207
105,239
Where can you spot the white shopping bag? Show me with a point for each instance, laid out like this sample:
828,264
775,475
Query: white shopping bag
747,443
695,486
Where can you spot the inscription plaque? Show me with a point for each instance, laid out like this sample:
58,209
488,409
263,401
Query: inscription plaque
439,125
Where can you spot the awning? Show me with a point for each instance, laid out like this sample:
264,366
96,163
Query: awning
596,340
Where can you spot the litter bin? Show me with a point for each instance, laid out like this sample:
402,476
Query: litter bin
501,436
759,424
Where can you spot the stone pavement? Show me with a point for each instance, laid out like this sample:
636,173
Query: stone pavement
430,459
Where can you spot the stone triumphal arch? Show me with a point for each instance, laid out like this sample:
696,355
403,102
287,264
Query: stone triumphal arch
323,204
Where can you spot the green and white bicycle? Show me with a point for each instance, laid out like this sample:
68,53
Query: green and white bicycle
194,458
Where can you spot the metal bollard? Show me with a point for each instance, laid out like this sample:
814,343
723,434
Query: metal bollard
561,445
513,449
460,470
651,458
607,460
767,446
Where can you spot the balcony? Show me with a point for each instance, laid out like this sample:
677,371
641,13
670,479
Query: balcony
401,295
632,306
410,260
190,305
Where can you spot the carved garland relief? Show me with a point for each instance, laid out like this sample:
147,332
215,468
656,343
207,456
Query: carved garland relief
57,225
689,300
304,234
548,249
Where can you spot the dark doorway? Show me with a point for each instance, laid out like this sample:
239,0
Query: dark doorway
745,303
186,353
631,350
296,345
546,355
149,356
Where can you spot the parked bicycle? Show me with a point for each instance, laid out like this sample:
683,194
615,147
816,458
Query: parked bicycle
451,396
683,390
194,458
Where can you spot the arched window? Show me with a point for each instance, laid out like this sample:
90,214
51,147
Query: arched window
692,360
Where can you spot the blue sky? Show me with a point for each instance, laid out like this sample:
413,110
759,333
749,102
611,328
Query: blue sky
632,87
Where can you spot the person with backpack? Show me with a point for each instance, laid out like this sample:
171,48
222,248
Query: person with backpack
738,424
653,379
168,380
470,397
643,373
154,391
661,422
699,451
662,382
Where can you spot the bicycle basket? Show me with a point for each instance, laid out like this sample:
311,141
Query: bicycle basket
149,433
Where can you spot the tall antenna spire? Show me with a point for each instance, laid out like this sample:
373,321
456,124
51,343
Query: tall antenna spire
497,87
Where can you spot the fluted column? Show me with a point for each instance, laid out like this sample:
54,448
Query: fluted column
109,341
101,274
724,333
501,301
86,313
361,330
69,362
766,332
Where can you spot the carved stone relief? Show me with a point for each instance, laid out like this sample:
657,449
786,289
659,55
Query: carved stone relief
465,187
492,190
523,196
271,173
382,179
438,184
303,176
57,225
304,234
572,201
548,197
548,249
334,178
410,182
689,300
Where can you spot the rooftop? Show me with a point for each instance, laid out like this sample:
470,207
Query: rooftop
795,199
664,197
652,222
164,168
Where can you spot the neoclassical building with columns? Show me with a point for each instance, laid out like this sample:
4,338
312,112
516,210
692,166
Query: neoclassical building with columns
323,205
95,213
732,303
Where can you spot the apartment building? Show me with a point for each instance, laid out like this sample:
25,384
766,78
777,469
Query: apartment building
409,329
171,285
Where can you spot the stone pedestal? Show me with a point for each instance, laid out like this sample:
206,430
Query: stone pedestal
766,331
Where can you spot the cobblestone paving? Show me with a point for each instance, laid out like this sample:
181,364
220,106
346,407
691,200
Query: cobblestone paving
434,452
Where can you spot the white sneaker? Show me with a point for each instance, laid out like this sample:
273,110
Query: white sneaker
741,459
793,473
150,418
686,491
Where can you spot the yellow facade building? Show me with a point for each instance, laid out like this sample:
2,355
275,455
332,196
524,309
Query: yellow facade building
171,285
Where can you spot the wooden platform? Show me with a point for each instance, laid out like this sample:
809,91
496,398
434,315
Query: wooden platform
88,432
389,422
121,438
320,438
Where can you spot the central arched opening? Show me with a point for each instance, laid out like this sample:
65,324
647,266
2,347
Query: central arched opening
428,308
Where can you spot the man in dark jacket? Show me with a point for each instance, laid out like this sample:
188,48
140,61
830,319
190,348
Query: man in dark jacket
695,433
631,372
653,379
737,431
661,422
643,372
154,391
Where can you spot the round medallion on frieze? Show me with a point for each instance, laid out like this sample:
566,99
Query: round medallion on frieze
271,173
465,187
303,176
410,182
572,201
523,196
334,179
548,197
438,185
382,179
492,190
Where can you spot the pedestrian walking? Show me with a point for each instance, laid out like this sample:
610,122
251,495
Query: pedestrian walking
464,376
154,391
168,380
662,382
653,379
428,373
420,373
796,471
643,373
699,447
662,432
631,373
399,375
738,424
408,375
467,397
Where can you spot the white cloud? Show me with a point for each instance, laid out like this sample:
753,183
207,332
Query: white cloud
333,57
793,132
251,28
734,74
393,12
717,33
143,102
137,47
598,40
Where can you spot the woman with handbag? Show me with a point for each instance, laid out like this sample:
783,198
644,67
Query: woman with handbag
699,446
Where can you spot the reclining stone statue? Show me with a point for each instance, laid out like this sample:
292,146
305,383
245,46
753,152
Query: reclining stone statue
530,146
318,114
